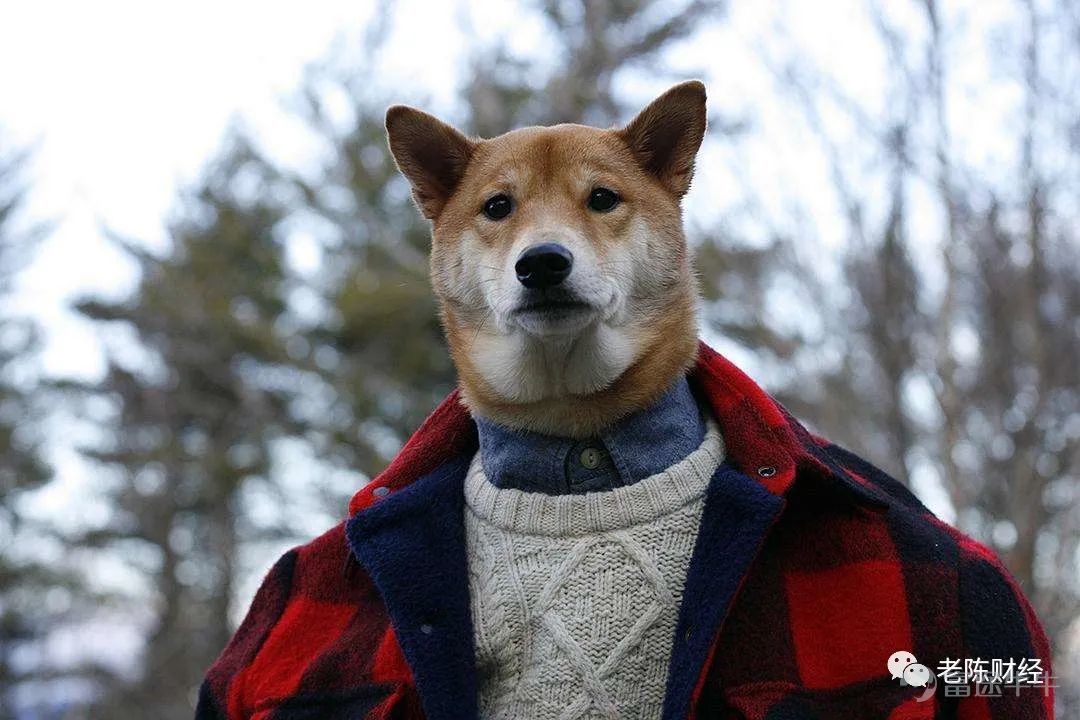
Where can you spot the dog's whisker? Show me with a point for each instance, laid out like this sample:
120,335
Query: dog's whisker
483,321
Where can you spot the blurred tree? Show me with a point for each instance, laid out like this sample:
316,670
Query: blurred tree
988,336
24,578
1011,452
377,342
194,428
593,44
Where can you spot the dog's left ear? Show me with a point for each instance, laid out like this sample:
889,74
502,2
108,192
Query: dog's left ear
666,135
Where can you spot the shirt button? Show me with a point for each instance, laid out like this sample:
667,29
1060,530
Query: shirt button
380,491
426,629
590,458
766,471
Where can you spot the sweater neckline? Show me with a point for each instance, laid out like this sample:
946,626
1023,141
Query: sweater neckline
535,513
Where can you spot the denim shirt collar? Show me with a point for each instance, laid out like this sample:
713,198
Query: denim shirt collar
644,443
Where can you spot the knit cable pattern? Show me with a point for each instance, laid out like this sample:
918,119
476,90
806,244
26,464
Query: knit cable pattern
575,598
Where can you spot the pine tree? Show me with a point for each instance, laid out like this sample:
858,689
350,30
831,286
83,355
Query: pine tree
196,420
25,578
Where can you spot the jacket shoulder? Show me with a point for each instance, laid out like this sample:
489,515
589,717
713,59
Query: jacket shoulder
869,474
313,627
911,525
962,599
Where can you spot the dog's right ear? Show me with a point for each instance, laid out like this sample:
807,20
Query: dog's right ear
666,135
430,153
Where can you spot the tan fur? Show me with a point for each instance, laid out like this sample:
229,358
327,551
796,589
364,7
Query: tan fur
634,263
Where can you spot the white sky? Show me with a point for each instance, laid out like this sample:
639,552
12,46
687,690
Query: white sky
124,102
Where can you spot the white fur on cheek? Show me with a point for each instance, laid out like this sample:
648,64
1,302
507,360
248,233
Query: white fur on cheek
465,276
654,263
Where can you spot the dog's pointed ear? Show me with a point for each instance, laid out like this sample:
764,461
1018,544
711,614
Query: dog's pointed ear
666,135
430,153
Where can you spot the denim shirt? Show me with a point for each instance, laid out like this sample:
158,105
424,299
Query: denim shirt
644,443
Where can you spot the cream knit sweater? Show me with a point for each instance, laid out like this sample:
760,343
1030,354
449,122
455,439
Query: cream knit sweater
575,597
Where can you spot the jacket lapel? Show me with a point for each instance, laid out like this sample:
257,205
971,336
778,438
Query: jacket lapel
735,522
411,541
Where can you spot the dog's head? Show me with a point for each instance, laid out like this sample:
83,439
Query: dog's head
559,260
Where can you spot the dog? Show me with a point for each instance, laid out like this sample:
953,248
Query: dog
766,573
558,259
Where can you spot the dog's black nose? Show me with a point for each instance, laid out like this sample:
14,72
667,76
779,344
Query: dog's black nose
544,265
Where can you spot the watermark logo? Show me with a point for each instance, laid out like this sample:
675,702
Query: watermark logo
898,661
903,666
968,677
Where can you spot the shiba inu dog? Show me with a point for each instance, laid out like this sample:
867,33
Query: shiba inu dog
559,261
636,543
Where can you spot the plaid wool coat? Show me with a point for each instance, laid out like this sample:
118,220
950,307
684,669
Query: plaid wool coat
811,569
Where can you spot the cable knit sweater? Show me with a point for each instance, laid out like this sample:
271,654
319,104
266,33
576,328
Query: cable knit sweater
575,598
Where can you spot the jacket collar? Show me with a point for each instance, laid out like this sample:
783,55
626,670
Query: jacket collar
761,439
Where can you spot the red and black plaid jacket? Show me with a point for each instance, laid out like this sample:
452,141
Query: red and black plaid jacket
811,569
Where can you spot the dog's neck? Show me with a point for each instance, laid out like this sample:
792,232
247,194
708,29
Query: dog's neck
573,387
523,369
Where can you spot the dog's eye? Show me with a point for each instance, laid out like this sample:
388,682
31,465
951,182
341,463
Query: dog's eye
498,206
603,200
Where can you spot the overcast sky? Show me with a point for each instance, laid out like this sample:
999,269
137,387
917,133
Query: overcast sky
125,102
